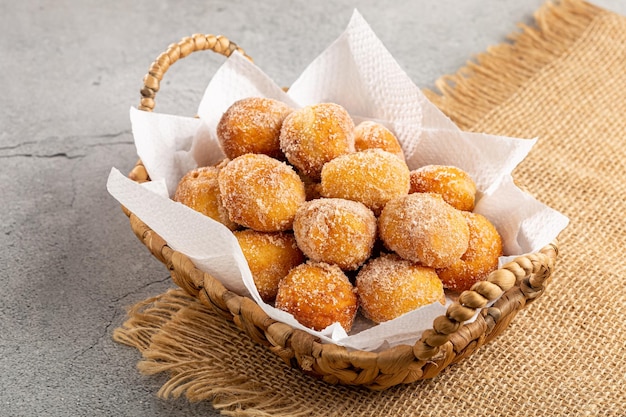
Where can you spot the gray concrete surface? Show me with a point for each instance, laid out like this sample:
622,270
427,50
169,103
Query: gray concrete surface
69,71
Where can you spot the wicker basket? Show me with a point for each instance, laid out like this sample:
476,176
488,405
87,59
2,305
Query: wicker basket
450,340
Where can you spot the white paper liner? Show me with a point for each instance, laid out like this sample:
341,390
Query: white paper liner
357,72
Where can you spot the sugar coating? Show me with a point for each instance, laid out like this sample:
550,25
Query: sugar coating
260,192
389,286
270,256
373,135
199,190
318,295
455,185
316,134
335,231
372,177
423,228
252,125
480,259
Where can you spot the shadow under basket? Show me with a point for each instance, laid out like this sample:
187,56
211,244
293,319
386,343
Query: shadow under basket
515,285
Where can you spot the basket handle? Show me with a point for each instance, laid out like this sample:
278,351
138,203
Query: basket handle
198,42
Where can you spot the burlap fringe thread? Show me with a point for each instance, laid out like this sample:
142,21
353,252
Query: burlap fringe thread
171,330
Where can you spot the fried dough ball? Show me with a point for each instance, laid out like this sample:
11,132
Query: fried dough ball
260,192
455,185
335,231
316,134
252,125
389,286
372,177
423,228
370,134
480,259
270,256
199,190
318,295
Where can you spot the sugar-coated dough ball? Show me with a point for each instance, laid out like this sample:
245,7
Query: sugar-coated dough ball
455,185
260,192
480,259
370,135
252,125
316,134
423,228
318,295
389,286
270,256
372,177
335,231
199,190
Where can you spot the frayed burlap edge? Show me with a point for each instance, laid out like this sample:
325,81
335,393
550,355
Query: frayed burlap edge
155,326
173,332
470,94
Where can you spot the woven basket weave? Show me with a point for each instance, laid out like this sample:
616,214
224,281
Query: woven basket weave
449,341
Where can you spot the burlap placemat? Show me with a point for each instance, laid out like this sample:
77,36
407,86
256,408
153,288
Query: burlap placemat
562,81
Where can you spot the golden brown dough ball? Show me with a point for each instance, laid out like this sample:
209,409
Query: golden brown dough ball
423,228
270,256
372,177
480,259
373,135
199,190
316,134
252,125
318,295
389,286
260,192
455,185
335,231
